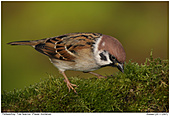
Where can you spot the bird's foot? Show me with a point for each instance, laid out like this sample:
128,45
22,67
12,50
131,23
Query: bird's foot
70,86
101,76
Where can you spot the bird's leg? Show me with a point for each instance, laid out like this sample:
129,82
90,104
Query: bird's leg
98,75
69,85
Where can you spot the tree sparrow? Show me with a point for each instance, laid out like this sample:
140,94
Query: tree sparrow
80,52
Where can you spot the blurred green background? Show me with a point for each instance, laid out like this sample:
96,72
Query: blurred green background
139,26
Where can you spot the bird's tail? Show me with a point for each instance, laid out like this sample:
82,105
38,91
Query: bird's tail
30,43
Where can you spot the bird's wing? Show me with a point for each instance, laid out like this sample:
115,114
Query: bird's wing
65,47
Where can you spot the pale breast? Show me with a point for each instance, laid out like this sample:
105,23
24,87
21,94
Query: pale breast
83,62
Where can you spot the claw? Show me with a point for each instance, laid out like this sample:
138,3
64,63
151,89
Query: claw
69,85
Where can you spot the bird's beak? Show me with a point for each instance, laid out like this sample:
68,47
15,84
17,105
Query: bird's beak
120,67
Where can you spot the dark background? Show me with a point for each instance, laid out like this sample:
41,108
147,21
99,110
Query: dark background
139,26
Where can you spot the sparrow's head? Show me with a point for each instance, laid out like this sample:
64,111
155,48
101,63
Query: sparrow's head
109,51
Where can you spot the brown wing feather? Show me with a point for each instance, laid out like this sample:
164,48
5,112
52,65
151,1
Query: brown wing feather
65,47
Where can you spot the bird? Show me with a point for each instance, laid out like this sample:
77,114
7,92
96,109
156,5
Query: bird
81,51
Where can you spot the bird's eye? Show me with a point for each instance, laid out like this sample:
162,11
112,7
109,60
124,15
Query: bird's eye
112,58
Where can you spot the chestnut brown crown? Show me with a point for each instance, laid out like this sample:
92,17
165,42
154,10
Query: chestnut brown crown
114,47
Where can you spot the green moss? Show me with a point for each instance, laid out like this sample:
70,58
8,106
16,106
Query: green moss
142,88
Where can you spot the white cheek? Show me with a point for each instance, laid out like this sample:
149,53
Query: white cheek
97,52
100,61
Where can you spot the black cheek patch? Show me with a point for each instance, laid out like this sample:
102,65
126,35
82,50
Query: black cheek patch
103,57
